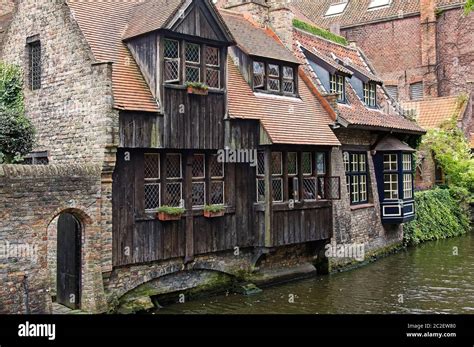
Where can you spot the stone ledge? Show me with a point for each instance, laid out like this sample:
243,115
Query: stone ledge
19,171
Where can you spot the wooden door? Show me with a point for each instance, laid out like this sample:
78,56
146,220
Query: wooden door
68,261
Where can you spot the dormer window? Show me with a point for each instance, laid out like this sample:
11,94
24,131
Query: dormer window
337,86
370,92
274,78
201,63
336,9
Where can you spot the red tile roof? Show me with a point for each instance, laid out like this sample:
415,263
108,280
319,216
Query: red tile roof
355,112
287,120
103,24
254,40
357,13
431,113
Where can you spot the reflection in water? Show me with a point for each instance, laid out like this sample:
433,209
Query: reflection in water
427,279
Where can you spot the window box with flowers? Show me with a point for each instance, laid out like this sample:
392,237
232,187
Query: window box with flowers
214,211
197,88
168,213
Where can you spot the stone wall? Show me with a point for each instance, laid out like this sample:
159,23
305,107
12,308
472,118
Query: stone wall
31,198
6,6
360,223
73,111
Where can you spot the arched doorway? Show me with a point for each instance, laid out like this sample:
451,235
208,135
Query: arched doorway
68,278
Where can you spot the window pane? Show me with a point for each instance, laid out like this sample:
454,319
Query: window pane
216,168
277,189
362,162
217,193
35,65
288,86
260,190
193,74
354,162
391,186
273,70
258,74
292,163
307,163
390,162
277,163
171,70
309,188
407,162
171,49
274,84
152,196
347,164
363,188
198,166
355,189
212,56
152,166
174,194
193,53
199,194
260,163
288,72
407,186
173,166
213,78
321,163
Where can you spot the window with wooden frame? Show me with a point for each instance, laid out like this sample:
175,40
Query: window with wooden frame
213,67
192,68
260,177
174,180
407,176
370,93
217,181
309,177
337,86
36,158
200,63
355,164
274,78
390,177
199,180
293,179
277,176
152,184
172,61
34,65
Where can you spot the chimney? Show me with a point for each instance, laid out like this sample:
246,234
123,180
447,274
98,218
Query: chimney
281,21
258,9
428,47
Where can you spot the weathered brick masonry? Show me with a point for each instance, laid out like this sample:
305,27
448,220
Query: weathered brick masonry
31,197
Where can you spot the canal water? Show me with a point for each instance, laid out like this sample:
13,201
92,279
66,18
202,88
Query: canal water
430,278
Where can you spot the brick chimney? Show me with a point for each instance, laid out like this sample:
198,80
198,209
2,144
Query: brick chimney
428,47
258,9
281,21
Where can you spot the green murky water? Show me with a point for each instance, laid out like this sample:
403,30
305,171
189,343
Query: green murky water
425,279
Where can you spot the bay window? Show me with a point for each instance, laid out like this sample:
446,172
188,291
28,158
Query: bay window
407,176
390,177
355,164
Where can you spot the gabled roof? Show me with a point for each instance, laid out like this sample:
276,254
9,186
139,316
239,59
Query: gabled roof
103,24
354,112
254,40
330,64
433,112
357,12
287,120
160,14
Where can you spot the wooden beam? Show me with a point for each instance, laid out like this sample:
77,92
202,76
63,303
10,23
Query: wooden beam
268,197
188,201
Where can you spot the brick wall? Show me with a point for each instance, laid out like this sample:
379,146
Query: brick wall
31,197
72,112
394,49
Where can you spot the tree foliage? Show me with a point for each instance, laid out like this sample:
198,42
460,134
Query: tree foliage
469,6
16,131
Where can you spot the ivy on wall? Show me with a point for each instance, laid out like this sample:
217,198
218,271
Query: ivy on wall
16,131
438,216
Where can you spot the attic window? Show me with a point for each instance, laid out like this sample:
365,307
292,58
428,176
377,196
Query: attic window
370,91
337,86
336,9
274,78
374,4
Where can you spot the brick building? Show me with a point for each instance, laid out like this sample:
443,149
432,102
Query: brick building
115,91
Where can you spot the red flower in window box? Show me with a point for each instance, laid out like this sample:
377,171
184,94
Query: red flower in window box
197,88
214,211
167,213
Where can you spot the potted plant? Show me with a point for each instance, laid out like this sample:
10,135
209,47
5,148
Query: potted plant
168,213
214,211
197,88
